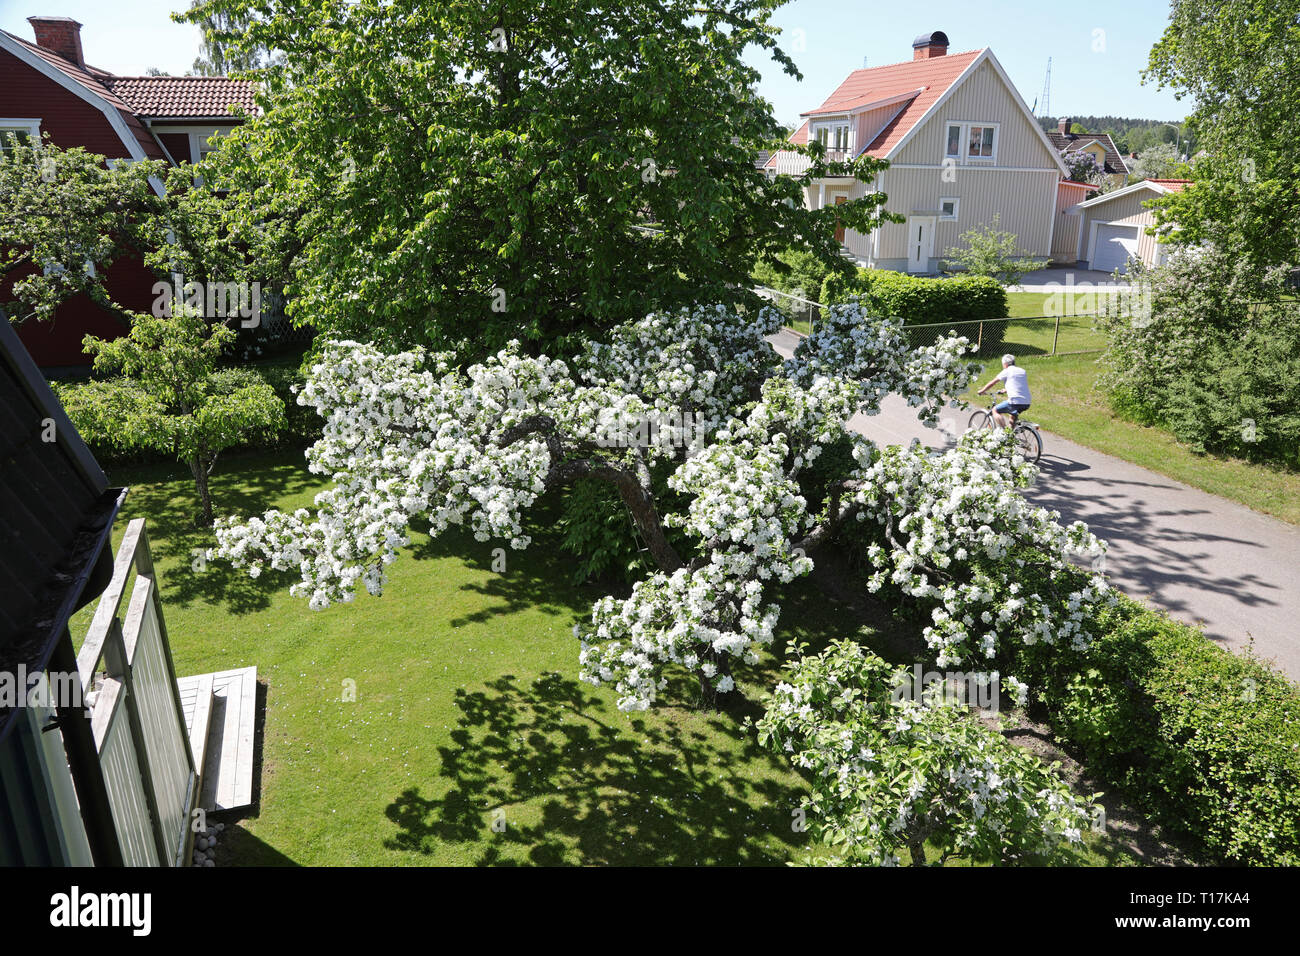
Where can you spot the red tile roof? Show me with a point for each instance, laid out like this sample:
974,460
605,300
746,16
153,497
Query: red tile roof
937,75
174,97
932,77
1173,185
137,98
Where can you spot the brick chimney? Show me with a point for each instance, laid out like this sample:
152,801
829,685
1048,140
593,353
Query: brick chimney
1063,124
61,35
929,45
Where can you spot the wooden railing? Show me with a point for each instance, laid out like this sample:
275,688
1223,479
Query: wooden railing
789,163
126,668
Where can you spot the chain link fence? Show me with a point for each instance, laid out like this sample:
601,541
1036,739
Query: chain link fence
1021,335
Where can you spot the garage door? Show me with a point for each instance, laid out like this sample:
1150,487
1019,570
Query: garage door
1114,246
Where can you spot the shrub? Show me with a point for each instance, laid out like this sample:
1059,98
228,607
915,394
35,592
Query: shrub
993,252
1207,741
1209,348
795,271
598,534
972,305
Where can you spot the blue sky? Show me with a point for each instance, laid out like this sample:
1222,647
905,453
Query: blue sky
1092,73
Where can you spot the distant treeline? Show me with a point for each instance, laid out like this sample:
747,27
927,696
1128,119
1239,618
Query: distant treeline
1130,135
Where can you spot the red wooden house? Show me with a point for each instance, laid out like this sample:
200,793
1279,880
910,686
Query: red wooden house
47,88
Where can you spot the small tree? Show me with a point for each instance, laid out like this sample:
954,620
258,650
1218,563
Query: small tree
1156,162
172,397
1083,167
990,251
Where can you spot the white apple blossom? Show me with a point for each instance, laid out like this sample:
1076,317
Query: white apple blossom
410,438
891,776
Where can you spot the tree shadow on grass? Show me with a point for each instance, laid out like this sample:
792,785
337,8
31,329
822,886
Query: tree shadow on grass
250,484
657,792
537,578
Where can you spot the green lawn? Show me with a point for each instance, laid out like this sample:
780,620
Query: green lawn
468,707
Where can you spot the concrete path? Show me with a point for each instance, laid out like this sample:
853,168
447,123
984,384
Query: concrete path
1057,279
1202,558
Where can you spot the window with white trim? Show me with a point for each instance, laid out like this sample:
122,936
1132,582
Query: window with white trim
948,208
833,136
953,149
971,142
22,132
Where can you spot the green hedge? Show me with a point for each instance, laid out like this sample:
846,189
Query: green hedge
1207,742
963,304
795,271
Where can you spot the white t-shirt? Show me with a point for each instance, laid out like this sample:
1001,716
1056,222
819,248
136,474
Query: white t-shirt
1017,383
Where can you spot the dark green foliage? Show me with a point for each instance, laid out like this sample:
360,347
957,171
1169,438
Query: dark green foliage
1210,350
1207,741
462,175
973,306
598,532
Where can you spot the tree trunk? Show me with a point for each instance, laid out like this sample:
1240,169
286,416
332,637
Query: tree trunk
709,696
917,849
199,468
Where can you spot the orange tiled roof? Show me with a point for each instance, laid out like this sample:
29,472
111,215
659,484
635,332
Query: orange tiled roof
173,97
1173,185
933,77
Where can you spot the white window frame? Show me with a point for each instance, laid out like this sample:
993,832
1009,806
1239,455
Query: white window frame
956,208
963,142
961,133
32,127
830,133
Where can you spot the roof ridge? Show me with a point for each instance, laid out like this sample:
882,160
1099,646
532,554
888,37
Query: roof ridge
933,59
147,76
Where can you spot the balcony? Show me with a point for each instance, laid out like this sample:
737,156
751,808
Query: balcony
795,164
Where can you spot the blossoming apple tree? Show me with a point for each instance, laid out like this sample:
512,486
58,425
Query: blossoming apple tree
410,435
735,494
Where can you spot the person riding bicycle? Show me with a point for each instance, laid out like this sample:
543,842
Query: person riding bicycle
1016,380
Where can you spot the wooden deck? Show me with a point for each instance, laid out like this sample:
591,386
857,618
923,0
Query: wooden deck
227,702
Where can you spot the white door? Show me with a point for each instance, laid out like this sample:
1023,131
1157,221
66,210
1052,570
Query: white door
920,243
1113,247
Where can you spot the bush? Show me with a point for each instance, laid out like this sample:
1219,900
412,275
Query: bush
1209,348
794,271
960,303
1206,741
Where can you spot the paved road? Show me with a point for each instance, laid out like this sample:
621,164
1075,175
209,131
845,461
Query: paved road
1057,278
1204,559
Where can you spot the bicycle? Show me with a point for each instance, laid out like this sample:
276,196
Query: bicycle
1027,437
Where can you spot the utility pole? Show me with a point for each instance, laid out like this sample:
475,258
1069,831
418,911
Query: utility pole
1046,99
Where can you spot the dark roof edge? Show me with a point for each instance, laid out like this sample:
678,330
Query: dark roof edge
34,383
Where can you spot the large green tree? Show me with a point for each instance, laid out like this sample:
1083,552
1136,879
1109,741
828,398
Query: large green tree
1237,59
461,174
